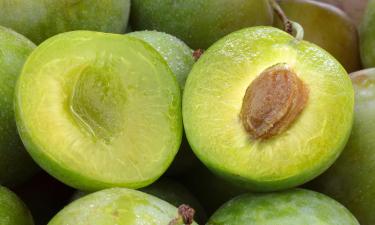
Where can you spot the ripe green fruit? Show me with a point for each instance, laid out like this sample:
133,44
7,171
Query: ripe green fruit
39,19
350,179
175,52
266,110
328,27
99,110
199,23
117,206
367,32
12,210
293,207
176,194
15,164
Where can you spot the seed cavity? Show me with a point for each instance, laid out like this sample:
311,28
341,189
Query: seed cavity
273,101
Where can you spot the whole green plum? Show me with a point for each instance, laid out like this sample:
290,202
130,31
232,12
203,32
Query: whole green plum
41,19
367,32
15,164
199,23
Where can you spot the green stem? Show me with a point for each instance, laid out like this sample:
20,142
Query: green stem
290,27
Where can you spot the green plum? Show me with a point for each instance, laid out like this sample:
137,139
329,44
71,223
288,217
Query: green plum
12,210
40,19
266,110
350,180
354,8
199,23
176,53
328,27
367,32
292,207
16,165
99,110
118,206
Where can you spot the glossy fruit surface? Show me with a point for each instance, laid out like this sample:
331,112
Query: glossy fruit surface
350,180
15,164
293,207
39,19
328,27
199,23
117,206
175,52
109,105
218,88
367,32
12,210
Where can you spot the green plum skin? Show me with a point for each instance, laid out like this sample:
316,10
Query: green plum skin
292,207
199,23
350,180
328,27
367,32
15,164
117,206
39,19
176,53
12,210
213,98
95,130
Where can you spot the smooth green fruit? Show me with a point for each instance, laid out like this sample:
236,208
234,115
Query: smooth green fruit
176,194
99,110
175,52
328,27
15,164
117,206
293,207
350,180
354,8
267,111
40,19
367,32
199,23
12,210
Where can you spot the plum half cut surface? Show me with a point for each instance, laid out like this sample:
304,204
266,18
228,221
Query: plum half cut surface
99,110
118,206
266,110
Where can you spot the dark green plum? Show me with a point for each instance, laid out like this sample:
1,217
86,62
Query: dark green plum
199,23
15,164
40,19
351,179
12,210
293,207
367,32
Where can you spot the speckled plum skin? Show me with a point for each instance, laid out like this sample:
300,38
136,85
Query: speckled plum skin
117,206
15,164
40,19
293,207
199,23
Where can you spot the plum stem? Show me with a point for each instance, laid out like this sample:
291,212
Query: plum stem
185,216
197,54
290,26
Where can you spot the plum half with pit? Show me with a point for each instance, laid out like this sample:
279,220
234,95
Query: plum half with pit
99,110
292,207
266,110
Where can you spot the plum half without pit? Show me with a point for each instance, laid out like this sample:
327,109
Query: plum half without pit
99,110
267,110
